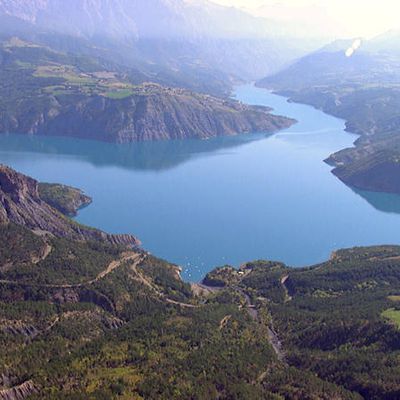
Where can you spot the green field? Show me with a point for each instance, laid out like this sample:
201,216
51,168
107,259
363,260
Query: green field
120,94
392,315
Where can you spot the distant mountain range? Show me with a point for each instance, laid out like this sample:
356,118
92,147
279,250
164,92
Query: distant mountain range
136,18
363,89
173,34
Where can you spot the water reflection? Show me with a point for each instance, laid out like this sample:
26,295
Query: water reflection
205,203
152,156
386,202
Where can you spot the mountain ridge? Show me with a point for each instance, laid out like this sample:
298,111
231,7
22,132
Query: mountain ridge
156,31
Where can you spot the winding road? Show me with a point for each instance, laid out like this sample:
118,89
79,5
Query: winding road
130,256
254,314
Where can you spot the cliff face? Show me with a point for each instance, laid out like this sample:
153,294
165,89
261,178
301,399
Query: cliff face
19,392
21,204
152,113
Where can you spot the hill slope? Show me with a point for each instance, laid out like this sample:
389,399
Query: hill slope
52,93
364,90
84,319
20,203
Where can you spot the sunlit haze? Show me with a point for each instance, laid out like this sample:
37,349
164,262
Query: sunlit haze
353,17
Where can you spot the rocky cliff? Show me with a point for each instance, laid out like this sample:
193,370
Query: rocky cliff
152,112
19,392
20,203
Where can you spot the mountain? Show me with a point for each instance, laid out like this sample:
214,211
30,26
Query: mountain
330,66
362,89
134,19
53,93
168,33
90,319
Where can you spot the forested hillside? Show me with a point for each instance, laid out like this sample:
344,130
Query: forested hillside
93,320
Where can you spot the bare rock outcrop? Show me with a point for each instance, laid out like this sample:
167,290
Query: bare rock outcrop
20,392
18,328
153,112
20,203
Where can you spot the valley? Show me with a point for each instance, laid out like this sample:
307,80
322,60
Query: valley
199,200
293,193
127,326
363,90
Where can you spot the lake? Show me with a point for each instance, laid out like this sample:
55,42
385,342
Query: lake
203,204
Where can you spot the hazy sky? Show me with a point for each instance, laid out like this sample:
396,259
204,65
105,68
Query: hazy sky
359,17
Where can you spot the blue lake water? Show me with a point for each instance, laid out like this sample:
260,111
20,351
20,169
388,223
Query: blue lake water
202,204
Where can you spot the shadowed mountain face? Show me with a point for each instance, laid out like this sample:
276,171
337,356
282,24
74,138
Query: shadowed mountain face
364,90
